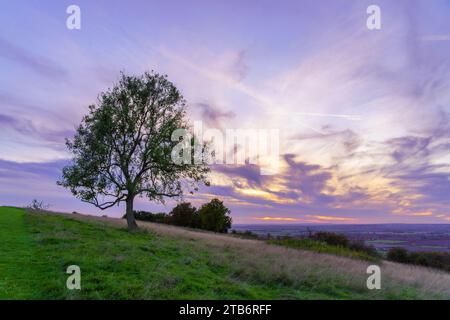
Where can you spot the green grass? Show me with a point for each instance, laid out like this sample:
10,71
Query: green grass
322,247
17,265
36,249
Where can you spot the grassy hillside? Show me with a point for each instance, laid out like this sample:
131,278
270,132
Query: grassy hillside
165,262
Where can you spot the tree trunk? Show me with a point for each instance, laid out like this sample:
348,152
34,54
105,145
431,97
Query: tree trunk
131,221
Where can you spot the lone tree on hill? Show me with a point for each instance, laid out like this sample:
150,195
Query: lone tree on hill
122,148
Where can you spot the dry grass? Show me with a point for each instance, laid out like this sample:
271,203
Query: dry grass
264,262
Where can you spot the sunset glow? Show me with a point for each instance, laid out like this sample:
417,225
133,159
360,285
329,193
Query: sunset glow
363,116
277,219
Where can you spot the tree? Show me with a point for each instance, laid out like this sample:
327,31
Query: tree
122,148
185,215
214,216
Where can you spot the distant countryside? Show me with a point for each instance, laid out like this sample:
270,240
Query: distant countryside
225,158
412,237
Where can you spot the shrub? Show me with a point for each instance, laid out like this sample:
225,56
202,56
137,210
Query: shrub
159,217
439,260
331,238
359,245
398,255
38,205
184,215
322,247
329,242
214,216
247,234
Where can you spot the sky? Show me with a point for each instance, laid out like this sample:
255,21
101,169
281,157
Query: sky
363,115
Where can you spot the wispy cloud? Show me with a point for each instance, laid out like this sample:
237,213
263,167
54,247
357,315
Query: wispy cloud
278,219
364,116
41,65
29,129
213,116
332,219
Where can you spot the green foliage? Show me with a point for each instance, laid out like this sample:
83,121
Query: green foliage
214,216
185,215
330,242
398,255
159,217
323,247
123,146
439,260
360,246
247,234
333,239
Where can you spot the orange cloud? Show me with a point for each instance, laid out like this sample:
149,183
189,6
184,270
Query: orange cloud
422,214
329,218
402,211
261,194
277,219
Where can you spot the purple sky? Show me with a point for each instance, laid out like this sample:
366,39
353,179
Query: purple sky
297,66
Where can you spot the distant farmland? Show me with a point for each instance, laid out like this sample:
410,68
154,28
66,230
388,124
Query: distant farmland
413,237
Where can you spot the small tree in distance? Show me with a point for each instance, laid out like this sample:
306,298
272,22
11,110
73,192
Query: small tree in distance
214,216
38,205
122,148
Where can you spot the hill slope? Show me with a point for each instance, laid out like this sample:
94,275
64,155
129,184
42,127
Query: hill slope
165,262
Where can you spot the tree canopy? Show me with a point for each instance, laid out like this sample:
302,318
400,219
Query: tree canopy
185,215
214,216
122,148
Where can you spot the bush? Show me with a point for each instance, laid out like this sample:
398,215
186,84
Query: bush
439,260
398,255
308,243
359,245
184,215
214,216
247,234
329,242
159,217
333,239
38,205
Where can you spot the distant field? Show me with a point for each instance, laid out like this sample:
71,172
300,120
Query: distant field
412,237
385,241
165,262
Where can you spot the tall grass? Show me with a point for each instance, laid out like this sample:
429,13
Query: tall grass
320,274
322,247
